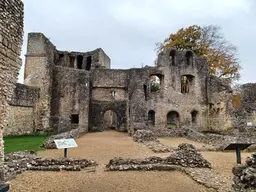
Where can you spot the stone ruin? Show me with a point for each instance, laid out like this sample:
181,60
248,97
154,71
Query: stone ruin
185,156
11,37
78,90
149,139
18,162
245,175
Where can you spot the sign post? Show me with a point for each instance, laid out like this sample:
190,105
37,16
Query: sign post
65,144
238,147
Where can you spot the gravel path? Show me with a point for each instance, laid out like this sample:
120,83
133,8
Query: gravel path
102,147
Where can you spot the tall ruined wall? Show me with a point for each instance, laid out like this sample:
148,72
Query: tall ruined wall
23,110
39,66
83,60
245,105
170,97
109,92
11,34
219,101
70,97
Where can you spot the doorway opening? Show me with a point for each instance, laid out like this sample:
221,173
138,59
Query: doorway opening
110,120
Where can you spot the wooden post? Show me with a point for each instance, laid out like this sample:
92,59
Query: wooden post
238,155
65,152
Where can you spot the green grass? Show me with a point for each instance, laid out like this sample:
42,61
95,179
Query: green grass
21,143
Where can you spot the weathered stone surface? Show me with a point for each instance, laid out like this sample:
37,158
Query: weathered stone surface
11,36
144,135
245,175
50,144
185,156
148,138
18,162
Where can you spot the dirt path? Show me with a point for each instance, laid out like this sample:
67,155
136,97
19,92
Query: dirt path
102,147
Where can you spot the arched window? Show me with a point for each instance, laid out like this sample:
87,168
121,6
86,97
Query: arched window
172,57
187,83
189,58
151,117
156,82
173,119
194,115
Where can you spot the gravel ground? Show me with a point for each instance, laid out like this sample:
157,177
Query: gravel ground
102,147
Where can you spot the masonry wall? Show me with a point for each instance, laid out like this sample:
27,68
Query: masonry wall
245,106
11,34
23,111
109,92
39,66
169,98
21,121
70,96
90,60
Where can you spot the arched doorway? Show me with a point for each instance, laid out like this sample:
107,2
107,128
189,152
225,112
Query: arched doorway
110,120
194,115
173,119
151,117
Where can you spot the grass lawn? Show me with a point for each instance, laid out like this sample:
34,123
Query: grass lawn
21,143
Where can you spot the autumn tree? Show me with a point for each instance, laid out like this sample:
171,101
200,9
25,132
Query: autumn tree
208,42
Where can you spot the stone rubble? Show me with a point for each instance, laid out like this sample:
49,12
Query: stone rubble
148,138
245,175
18,162
185,156
50,144
141,136
211,179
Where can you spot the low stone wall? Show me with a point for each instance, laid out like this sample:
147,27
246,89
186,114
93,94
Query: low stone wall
185,156
18,162
245,175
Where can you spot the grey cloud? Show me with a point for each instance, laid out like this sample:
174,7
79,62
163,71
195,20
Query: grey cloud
86,25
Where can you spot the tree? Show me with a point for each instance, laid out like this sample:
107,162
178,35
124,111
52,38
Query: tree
208,42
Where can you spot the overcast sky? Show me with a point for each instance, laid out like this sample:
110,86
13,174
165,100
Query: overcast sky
127,30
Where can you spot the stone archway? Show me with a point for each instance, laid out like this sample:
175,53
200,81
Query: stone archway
110,120
98,110
173,119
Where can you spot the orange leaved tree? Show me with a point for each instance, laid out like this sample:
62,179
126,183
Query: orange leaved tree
208,42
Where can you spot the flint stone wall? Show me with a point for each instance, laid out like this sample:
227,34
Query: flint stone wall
185,156
18,162
11,34
245,175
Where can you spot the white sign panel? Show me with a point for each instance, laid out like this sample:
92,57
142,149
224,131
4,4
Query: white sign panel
65,143
249,124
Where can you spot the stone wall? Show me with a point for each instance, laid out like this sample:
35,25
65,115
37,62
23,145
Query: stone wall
39,73
83,60
11,34
245,109
97,110
21,121
24,96
70,96
77,85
